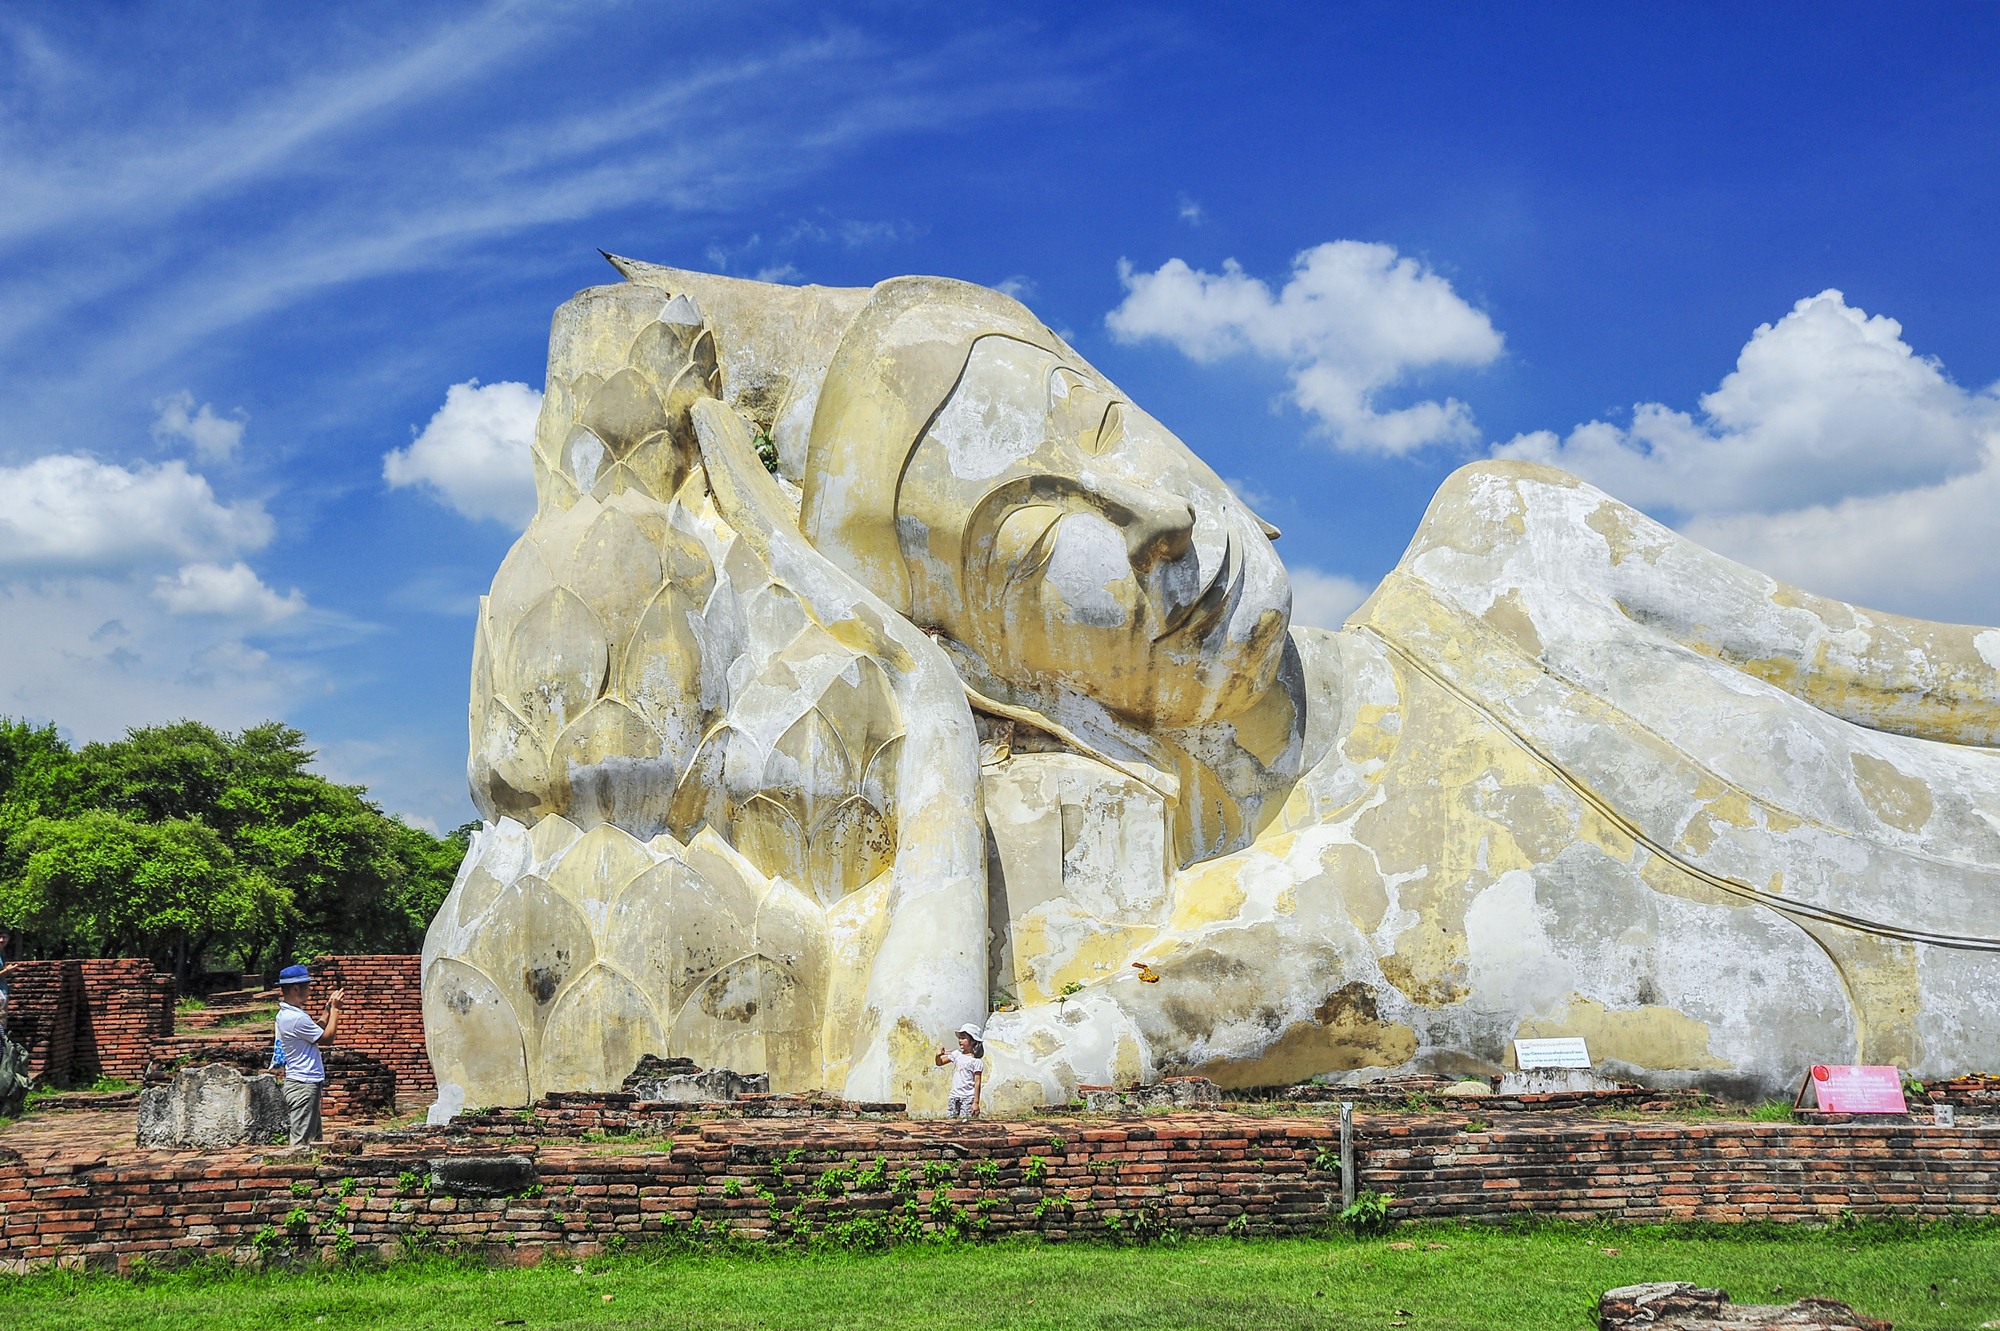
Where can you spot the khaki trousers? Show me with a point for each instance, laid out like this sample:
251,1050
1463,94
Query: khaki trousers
302,1105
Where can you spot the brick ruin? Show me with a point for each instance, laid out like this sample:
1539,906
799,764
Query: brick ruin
866,1181
85,1019
584,1173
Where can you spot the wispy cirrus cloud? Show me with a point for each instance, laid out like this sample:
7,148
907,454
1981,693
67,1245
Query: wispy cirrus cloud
406,160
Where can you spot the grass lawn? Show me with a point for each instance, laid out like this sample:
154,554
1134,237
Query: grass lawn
1423,1278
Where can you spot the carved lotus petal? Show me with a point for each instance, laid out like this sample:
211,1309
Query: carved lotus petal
668,347
862,707
656,466
532,944
592,872
597,1033
879,779
555,492
583,458
623,411
811,762
659,672
853,843
474,1039
556,660
552,837
616,568
508,770
524,578
751,1016
770,836
773,617
471,896
609,760
674,927
701,799
791,930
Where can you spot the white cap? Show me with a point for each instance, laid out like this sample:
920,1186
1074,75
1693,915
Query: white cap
968,1029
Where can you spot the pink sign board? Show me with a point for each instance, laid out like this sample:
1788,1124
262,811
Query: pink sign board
1841,1089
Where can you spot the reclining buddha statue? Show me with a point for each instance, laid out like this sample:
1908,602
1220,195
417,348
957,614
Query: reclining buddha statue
873,665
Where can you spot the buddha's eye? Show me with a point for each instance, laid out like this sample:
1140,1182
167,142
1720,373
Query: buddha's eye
1110,431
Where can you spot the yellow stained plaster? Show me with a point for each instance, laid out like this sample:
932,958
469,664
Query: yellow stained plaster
1667,877
1615,523
1880,977
1207,894
1509,616
1044,963
1898,799
1645,1037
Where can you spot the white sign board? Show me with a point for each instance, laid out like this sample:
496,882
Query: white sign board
1566,1052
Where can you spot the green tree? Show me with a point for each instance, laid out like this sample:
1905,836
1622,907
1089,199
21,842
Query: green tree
119,886
181,841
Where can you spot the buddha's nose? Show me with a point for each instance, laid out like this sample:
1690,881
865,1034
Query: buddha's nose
1158,525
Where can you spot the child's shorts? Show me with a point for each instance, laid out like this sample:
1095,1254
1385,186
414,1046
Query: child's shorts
958,1106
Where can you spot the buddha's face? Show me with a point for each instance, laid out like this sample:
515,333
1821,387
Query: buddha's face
1068,538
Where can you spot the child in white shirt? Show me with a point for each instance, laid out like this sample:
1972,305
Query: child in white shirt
968,1072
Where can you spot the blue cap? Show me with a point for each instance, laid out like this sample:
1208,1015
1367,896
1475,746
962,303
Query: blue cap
294,975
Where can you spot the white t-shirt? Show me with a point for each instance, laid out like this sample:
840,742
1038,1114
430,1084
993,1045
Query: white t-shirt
299,1034
964,1066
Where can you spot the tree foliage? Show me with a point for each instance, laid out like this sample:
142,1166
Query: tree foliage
194,846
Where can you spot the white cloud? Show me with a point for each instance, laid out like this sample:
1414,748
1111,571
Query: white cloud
1191,212
99,654
474,454
212,437
1019,286
229,592
1833,456
1354,320
1825,405
1323,600
68,512
1930,550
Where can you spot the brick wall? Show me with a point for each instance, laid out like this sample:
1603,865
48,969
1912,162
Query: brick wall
381,1017
42,1004
84,1019
1658,1172
1193,1176
104,1017
1196,1174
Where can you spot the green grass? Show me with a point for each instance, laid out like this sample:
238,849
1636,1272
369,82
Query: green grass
248,1017
1447,1279
102,1086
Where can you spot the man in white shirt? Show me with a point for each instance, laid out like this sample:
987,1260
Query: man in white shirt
300,1037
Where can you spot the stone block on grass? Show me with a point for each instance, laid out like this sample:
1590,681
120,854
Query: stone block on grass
212,1108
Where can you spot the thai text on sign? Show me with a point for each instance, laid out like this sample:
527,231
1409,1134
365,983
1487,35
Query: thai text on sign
1837,1088
1566,1051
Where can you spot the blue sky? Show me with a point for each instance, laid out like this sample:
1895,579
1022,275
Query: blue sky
1734,263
